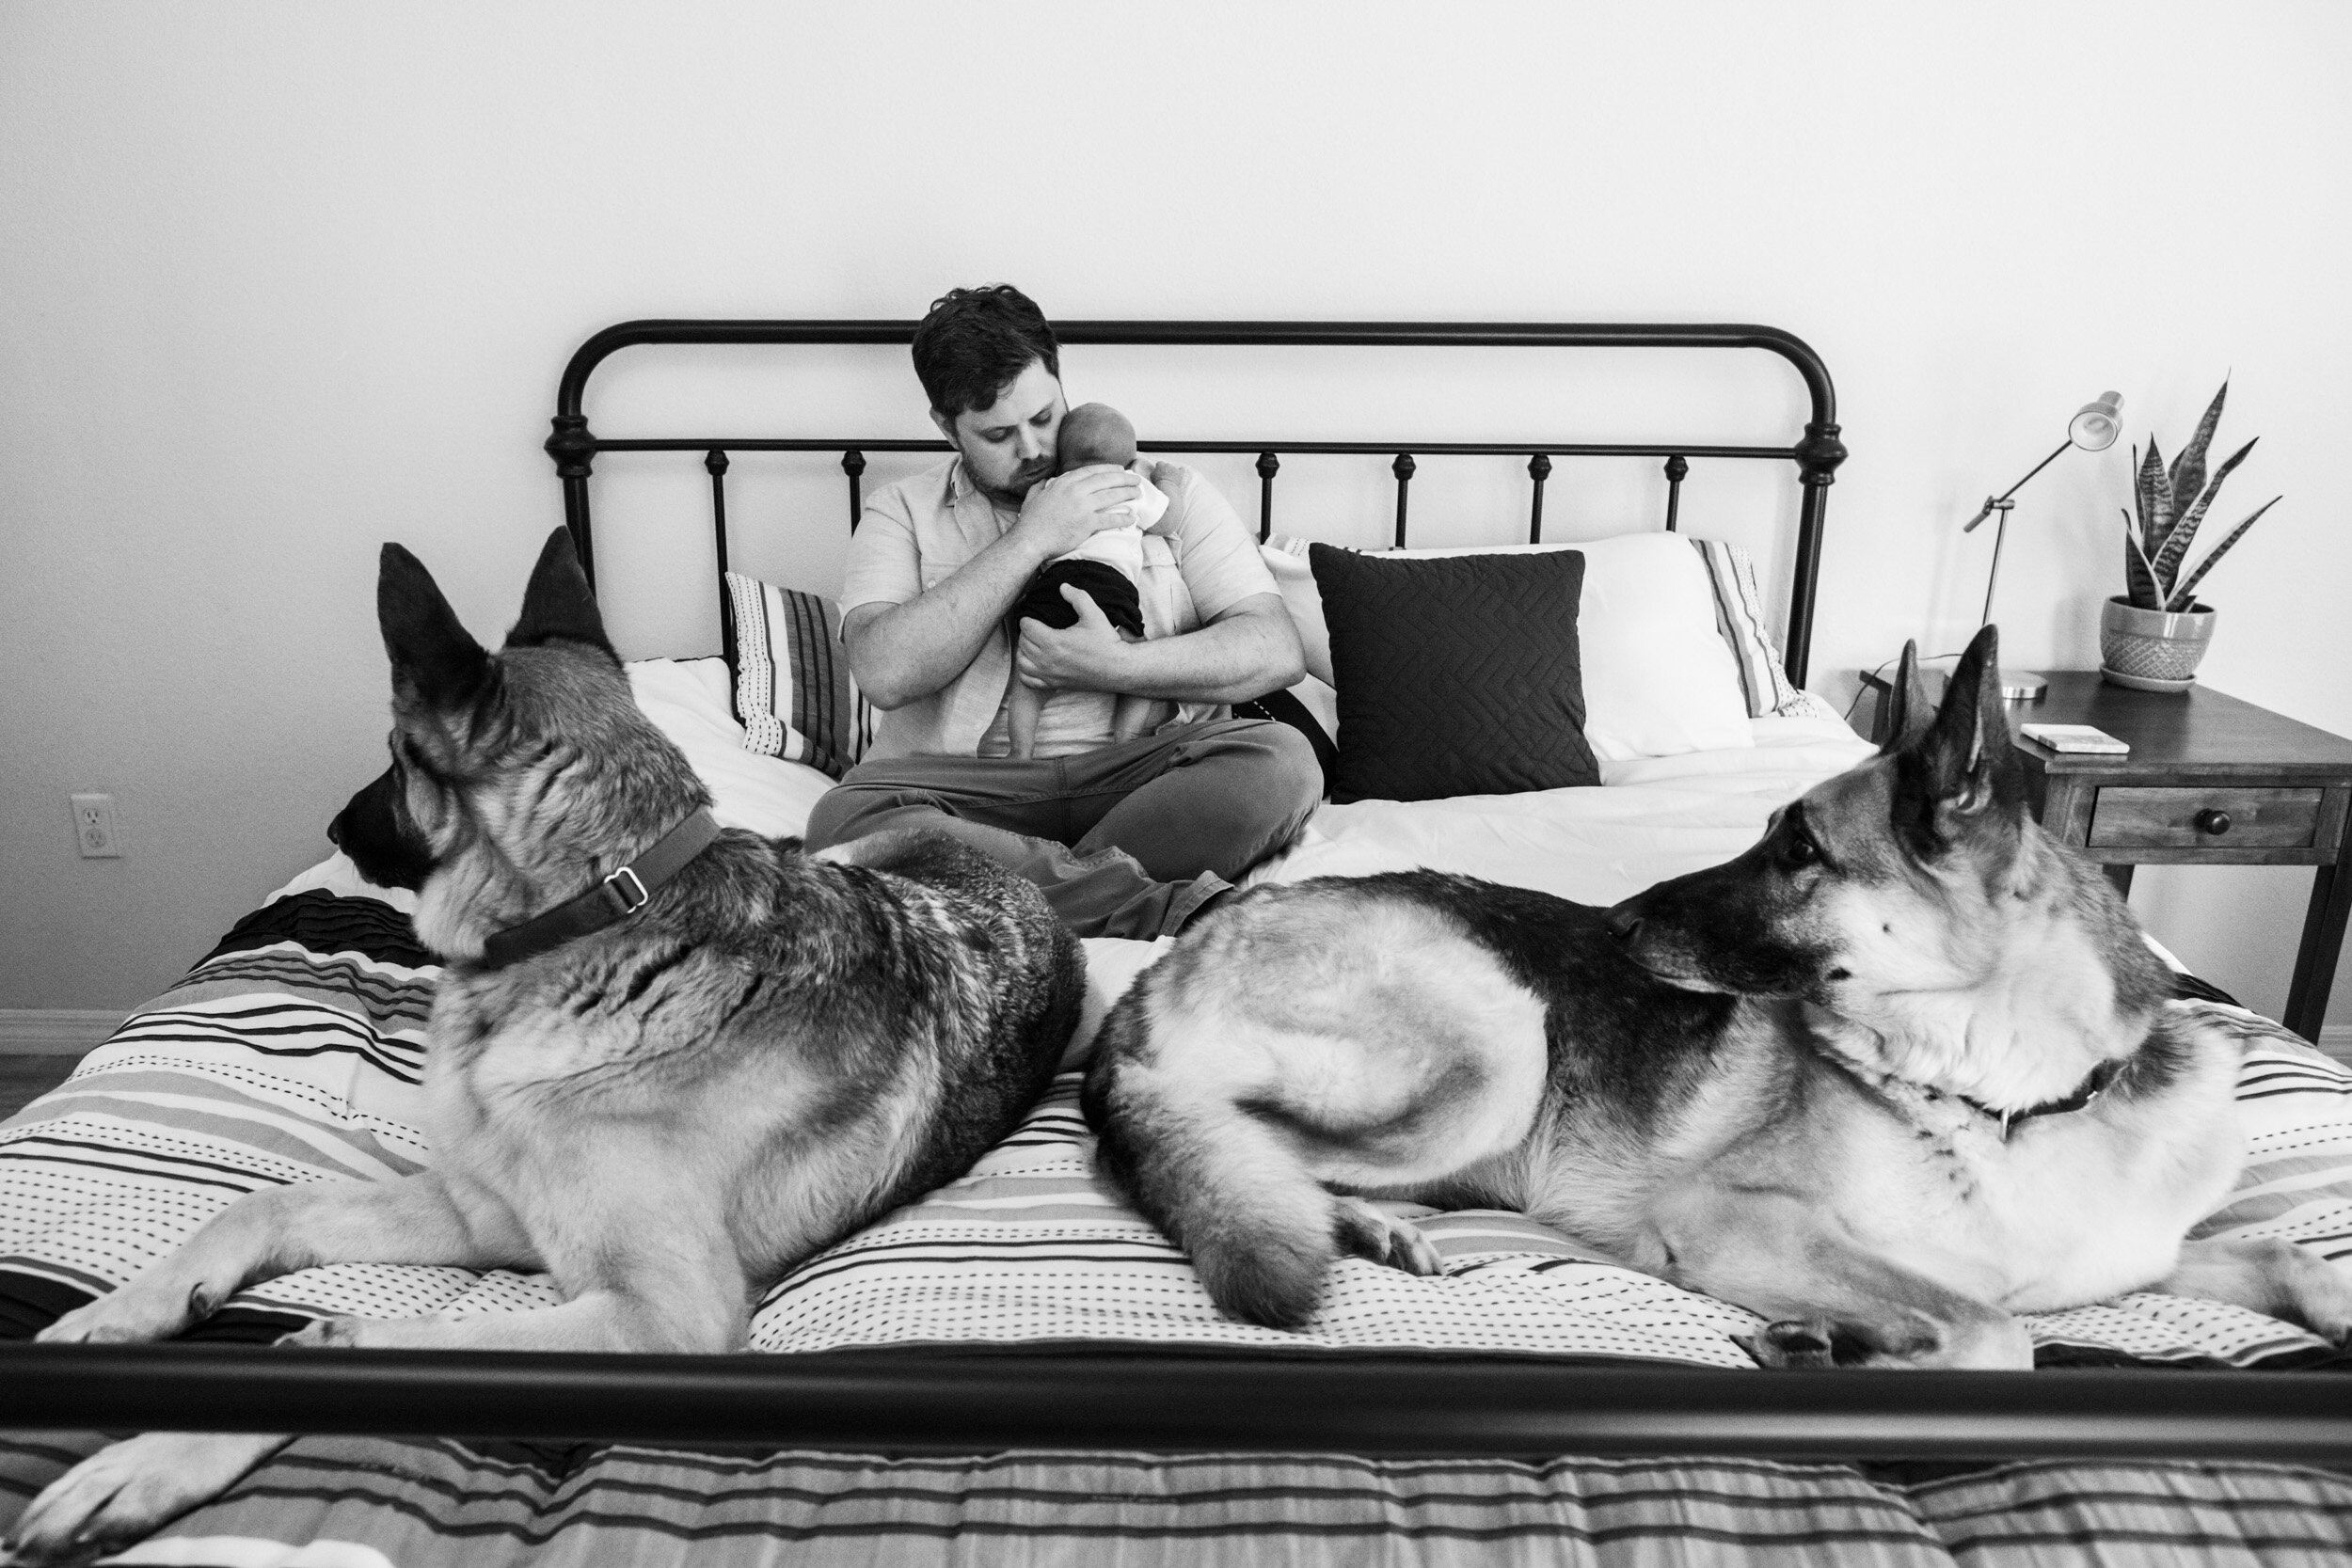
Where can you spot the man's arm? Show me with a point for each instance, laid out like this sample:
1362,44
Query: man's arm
1247,650
901,651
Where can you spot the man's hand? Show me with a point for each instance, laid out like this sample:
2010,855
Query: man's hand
1080,658
1060,513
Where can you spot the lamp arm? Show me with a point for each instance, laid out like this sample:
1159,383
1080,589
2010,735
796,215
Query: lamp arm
1970,527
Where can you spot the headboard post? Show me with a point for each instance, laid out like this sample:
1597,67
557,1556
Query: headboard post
574,450
1817,457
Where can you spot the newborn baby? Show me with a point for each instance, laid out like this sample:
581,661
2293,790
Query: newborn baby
1107,567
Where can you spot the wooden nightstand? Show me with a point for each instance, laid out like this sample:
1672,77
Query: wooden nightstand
2210,781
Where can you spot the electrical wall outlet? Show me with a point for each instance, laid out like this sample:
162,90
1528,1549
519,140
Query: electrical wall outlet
94,826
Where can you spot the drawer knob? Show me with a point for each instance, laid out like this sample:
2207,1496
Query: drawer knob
2213,820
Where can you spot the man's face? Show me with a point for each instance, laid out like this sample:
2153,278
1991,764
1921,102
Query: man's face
1009,446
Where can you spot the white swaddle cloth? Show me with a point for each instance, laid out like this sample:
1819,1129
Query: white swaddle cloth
1123,547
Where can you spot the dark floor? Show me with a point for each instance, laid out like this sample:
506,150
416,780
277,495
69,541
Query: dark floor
24,1077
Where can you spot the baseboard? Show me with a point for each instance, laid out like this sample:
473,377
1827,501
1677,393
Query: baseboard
55,1030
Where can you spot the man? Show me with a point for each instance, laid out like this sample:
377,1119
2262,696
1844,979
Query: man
1127,839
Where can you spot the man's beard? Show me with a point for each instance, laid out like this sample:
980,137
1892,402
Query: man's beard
1023,479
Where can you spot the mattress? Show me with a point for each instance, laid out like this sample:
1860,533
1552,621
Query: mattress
293,1052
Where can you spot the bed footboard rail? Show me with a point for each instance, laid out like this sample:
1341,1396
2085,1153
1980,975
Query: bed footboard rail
1816,455
973,1401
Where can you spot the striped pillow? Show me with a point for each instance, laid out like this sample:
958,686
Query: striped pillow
793,689
1739,621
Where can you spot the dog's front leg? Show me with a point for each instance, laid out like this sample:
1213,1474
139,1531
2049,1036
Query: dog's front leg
424,1219
2271,1276
125,1491
1831,1302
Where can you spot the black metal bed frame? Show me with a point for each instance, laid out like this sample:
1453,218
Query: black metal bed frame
971,1399
1817,455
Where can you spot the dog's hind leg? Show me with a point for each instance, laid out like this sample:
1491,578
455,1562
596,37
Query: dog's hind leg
674,1316
1831,1302
418,1219
642,1251
2272,1277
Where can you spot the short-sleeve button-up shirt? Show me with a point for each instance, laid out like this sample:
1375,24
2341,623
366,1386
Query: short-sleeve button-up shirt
1198,561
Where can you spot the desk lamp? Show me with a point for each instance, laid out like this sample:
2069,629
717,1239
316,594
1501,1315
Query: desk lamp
2094,428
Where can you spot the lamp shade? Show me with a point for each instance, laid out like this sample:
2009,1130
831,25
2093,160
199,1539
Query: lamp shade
2094,426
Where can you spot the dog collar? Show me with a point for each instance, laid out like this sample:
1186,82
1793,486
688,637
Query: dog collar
610,901
2102,1078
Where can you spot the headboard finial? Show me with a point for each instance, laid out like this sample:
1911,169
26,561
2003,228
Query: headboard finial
1819,454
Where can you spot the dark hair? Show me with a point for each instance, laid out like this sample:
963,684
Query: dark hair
973,343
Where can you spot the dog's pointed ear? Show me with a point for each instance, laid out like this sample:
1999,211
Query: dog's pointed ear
1906,699
1966,750
559,602
435,658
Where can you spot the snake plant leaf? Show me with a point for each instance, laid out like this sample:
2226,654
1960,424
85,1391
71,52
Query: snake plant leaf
2140,504
2138,580
2156,509
2188,593
2188,468
2168,561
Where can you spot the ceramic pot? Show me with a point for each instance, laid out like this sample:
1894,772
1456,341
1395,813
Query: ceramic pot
2152,650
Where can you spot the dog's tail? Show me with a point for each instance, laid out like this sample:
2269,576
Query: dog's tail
1261,1231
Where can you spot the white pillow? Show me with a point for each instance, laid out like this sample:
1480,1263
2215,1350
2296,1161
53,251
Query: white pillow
1658,679
687,700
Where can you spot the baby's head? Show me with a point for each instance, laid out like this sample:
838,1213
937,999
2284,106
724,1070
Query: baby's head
1096,433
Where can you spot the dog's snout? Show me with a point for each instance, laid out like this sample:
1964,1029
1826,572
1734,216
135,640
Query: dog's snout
1624,921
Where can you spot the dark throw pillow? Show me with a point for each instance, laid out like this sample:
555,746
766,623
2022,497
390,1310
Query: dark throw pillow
1457,676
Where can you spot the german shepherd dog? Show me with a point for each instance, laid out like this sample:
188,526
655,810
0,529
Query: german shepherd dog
665,1113
1899,1071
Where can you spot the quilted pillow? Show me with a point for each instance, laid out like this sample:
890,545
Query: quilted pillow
794,691
1456,676
1733,598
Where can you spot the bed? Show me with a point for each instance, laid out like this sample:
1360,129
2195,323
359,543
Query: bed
1017,1366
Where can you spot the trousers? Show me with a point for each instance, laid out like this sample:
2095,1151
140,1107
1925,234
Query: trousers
1127,840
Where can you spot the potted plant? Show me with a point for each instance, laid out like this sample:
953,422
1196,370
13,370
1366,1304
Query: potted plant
2152,636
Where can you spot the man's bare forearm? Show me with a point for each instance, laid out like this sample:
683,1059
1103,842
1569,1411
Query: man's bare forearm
1242,655
901,652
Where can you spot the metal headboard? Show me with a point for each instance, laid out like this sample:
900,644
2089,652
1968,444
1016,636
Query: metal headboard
1816,456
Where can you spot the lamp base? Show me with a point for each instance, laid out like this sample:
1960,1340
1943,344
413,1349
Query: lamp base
2023,686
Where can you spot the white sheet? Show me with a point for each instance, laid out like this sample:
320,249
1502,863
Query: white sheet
1650,819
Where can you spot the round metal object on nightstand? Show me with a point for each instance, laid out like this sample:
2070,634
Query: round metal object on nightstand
2023,686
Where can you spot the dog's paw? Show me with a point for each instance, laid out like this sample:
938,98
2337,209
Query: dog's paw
1792,1342
1905,1339
327,1333
123,1494
2323,1304
1368,1230
137,1313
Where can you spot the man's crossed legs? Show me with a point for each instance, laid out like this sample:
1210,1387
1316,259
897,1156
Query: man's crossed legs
1128,840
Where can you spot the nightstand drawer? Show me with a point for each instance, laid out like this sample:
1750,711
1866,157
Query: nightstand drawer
2124,817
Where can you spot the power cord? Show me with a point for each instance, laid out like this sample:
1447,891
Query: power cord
1897,660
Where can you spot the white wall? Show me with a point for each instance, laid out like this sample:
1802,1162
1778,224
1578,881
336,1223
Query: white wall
281,281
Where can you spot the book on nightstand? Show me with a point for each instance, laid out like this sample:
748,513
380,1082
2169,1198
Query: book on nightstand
2074,737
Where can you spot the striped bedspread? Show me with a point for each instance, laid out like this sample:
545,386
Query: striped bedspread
294,1054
